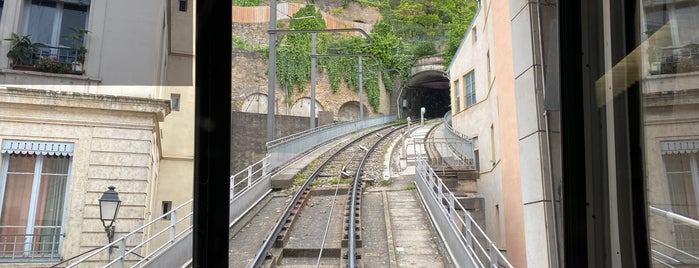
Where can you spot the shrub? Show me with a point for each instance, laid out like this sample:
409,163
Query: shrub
51,65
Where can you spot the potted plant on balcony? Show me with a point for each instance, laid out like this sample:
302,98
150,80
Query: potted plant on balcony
51,65
21,52
78,43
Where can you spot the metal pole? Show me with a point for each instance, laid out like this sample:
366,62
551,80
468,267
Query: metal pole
272,74
361,95
313,80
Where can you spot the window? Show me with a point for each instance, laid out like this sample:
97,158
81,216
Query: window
2,3
34,181
683,184
492,144
474,34
174,102
183,5
54,23
476,154
487,62
457,98
470,89
167,206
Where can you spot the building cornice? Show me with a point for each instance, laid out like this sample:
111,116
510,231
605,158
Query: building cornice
159,108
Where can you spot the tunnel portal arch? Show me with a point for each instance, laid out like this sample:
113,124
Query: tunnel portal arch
349,111
302,107
255,103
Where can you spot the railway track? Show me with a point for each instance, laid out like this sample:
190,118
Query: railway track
321,225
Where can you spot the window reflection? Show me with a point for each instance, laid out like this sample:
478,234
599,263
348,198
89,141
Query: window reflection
671,128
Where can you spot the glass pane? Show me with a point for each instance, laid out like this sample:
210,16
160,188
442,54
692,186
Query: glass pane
50,206
16,202
74,19
670,84
22,163
40,23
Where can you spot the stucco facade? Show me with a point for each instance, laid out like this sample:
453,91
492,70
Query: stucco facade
116,115
517,131
114,144
477,120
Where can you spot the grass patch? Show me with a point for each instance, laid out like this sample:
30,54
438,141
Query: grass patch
300,178
411,186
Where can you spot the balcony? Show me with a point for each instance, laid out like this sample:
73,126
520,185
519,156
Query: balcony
674,60
49,59
20,247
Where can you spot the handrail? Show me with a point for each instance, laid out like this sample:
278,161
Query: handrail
675,249
466,225
121,242
316,129
675,216
447,123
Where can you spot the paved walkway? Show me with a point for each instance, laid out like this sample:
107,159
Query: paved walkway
410,240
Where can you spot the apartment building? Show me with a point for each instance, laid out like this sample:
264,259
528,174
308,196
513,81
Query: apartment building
592,106
102,96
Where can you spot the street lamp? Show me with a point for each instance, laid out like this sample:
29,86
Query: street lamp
109,207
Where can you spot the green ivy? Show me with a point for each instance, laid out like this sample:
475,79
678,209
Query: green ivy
247,3
409,29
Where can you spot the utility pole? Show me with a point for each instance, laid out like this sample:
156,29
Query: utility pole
272,74
361,95
313,80
272,62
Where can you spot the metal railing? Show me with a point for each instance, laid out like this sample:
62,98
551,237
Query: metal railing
241,183
244,179
284,150
42,246
173,231
467,243
673,253
65,55
459,142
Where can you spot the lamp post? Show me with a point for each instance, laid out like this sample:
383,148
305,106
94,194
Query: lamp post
109,207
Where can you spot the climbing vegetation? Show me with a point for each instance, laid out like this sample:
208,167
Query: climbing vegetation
409,29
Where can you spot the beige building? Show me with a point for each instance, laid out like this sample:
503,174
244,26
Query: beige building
107,99
498,100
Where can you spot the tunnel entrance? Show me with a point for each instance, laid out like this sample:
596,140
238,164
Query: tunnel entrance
429,89
435,101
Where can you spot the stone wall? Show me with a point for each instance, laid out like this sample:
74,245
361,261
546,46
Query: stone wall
114,144
249,76
249,136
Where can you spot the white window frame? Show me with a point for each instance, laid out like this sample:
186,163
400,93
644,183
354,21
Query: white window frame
470,88
457,93
57,19
39,149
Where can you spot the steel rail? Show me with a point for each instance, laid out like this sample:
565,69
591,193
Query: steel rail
261,255
351,255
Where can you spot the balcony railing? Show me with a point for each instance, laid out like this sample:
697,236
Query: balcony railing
64,55
20,247
672,60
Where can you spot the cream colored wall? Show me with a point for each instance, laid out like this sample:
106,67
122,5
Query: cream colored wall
502,56
475,121
113,138
123,48
176,175
666,118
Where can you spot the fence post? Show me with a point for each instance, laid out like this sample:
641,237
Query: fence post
452,209
249,176
493,256
122,252
173,222
467,226
232,188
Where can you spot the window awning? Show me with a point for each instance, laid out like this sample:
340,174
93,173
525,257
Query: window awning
679,147
37,147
